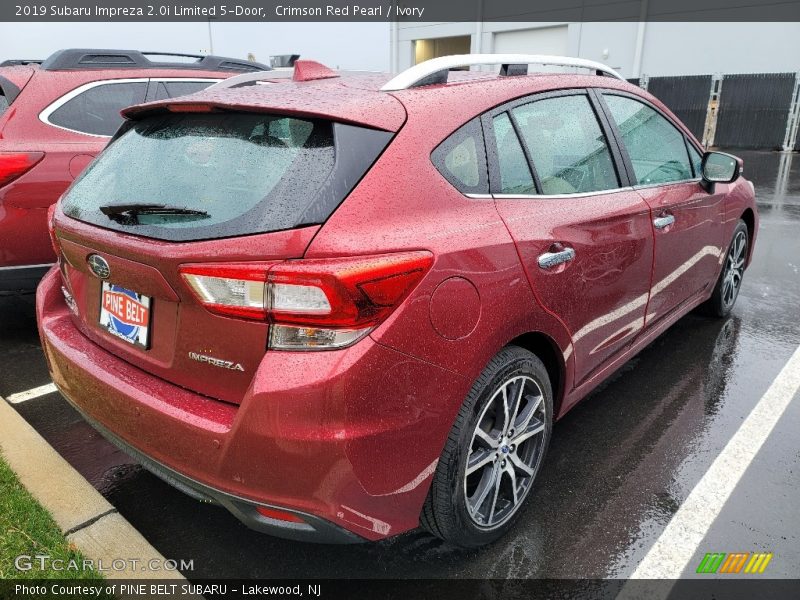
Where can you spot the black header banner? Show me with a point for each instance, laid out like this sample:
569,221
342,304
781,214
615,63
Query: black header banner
405,10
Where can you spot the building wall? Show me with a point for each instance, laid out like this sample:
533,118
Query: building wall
697,48
655,48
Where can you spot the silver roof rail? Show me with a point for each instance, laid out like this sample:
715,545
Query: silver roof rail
248,79
435,70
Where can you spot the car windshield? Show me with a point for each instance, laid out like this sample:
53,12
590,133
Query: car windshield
242,173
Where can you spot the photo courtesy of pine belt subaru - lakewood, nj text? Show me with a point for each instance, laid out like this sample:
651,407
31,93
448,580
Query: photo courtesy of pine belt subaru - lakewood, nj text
345,305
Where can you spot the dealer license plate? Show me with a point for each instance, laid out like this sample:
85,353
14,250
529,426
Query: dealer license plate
125,314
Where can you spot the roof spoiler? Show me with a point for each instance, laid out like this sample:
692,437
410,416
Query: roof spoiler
304,70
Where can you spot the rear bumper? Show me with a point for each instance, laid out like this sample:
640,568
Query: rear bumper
313,530
347,440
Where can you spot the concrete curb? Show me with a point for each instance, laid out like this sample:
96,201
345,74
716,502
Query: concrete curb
86,518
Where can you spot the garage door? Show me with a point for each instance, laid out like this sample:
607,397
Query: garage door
544,40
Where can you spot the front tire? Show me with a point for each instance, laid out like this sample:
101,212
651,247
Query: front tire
726,290
493,453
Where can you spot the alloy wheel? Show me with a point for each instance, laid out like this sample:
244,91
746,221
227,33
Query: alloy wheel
734,269
505,451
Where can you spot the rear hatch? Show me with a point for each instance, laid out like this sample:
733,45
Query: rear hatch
195,185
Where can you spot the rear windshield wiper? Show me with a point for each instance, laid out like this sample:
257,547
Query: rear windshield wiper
128,214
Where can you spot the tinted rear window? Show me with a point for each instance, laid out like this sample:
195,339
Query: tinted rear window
3,102
235,174
96,111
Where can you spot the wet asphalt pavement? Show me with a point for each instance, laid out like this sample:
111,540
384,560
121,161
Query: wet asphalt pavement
620,464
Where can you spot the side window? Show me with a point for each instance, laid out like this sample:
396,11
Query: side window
173,89
656,148
697,161
97,109
569,151
515,175
461,159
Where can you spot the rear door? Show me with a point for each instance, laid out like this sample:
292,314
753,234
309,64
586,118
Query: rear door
687,220
583,235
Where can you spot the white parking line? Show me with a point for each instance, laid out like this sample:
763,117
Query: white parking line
42,390
670,555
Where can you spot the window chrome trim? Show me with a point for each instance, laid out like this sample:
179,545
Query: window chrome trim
628,188
556,196
184,79
44,115
480,196
645,186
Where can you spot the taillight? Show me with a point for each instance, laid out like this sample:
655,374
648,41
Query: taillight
311,304
14,164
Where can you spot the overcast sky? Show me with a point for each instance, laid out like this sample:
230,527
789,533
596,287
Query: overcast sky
345,45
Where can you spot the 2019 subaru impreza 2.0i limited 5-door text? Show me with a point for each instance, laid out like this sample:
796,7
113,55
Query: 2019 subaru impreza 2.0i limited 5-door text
344,306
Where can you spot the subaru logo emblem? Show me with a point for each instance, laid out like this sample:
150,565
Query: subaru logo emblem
99,266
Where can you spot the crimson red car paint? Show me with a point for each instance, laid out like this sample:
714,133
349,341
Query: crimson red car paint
399,245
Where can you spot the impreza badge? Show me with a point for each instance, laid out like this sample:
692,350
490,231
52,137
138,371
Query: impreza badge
217,362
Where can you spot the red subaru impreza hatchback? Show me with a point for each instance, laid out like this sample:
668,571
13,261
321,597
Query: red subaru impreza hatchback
343,306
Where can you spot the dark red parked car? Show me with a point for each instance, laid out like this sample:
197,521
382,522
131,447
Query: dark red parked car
342,306
56,115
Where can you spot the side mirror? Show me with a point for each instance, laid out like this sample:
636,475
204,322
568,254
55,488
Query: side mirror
718,167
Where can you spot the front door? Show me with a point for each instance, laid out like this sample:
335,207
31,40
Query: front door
687,220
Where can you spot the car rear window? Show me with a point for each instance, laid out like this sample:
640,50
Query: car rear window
96,110
211,175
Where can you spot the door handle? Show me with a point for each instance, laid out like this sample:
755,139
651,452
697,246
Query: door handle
664,221
548,260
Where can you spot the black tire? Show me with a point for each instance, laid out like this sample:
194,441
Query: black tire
723,298
445,513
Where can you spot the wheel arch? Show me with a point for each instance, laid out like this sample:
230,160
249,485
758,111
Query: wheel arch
548,351
749,218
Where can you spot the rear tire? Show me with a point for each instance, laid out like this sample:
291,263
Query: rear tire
500,435
726,290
